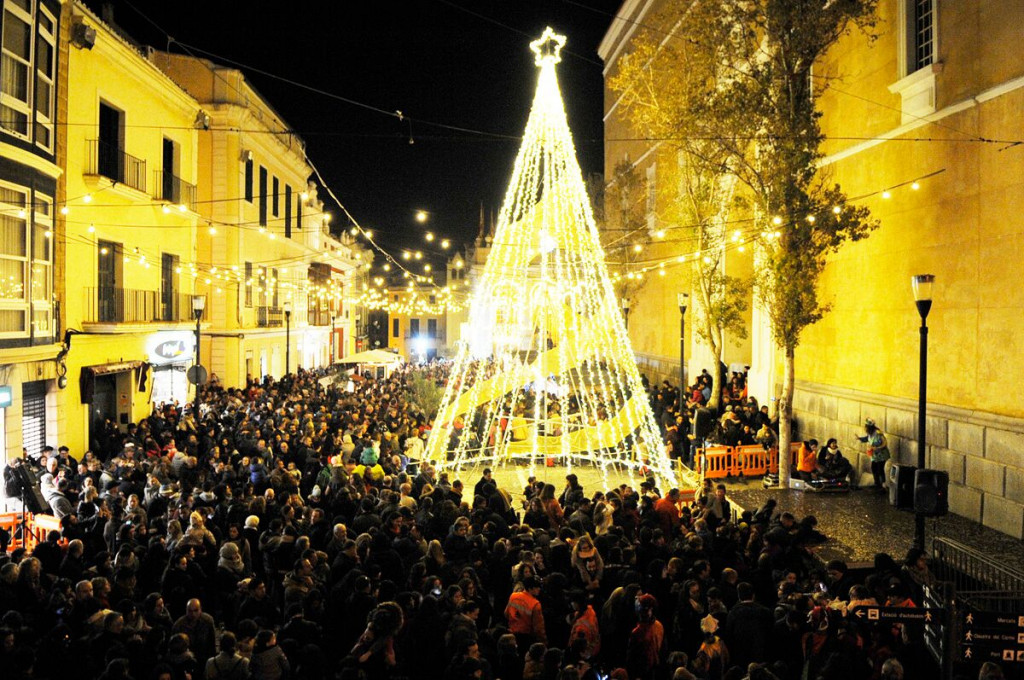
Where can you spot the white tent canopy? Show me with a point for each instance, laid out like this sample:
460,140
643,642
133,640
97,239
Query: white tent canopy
374,357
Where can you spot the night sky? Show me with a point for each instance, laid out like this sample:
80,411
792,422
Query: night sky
461,63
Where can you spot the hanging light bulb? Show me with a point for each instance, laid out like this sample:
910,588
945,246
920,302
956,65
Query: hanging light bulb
776,220
166,209
87,198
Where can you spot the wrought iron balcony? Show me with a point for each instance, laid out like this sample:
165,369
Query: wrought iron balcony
269,317
170,187
110,304
111,161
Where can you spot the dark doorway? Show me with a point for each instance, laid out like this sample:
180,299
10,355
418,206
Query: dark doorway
110,160
103,409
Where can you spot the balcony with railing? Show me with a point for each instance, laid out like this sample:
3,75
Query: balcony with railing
129,305
269,317
111,161
318,317
169,187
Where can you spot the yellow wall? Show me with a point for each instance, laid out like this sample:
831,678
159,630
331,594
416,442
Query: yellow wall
153,108
962,225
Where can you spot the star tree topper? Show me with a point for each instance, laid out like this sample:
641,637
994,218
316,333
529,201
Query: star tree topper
548,47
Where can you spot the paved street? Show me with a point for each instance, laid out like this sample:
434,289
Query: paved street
862,523
859,524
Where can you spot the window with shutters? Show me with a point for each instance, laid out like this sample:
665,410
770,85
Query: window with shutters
249,283
33,416
26,263
28,71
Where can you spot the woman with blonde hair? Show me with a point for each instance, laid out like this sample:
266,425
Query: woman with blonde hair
174,535
588,563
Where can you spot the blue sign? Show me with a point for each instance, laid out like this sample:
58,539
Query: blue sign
6,397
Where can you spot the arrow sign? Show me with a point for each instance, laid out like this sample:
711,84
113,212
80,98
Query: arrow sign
999,622
931,616
967,653
968,636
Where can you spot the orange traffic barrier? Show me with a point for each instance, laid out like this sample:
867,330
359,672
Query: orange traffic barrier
36,529
42,525
11,523
715,461
741,461
750,461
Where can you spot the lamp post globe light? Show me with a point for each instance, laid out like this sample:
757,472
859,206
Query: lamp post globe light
198,306
287,337
922,286
333,356
682,299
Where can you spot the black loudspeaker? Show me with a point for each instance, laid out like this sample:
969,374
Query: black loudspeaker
703,423
901,486
34,501
931,493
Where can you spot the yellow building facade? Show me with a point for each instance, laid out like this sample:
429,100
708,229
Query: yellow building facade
417,323
923,99
33,101
277,277
923,125
653,263
129,238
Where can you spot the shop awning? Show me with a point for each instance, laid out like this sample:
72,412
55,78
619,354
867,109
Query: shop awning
119,367
87,380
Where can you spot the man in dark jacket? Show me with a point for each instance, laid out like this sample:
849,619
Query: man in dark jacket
748,628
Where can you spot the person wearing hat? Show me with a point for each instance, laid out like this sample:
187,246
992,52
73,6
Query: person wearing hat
878,451
524,614
712,658
646,644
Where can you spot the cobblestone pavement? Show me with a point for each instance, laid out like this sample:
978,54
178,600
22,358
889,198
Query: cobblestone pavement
862,523
859,524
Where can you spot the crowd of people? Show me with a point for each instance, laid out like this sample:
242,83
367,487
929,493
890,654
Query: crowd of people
290,531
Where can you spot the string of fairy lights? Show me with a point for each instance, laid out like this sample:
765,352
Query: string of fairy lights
547,370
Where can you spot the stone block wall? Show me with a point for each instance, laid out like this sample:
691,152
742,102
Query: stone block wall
983,453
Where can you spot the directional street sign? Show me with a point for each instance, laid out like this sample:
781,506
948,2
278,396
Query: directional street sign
930,616
992,637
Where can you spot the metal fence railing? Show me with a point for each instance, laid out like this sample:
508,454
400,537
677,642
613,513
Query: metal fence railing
128,305
972,570
269,317
171,188
111,161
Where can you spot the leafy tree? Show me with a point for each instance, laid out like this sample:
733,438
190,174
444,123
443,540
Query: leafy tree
425,393
731,80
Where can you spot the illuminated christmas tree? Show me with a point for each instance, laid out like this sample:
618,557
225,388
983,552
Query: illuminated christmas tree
547,370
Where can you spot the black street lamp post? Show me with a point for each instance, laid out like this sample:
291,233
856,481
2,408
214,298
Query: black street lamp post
333,355
198,305
682,299
287,338
625,311
922,285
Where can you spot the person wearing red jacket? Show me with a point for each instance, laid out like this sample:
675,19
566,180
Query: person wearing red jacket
807,460
524,614
667,511
585,626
